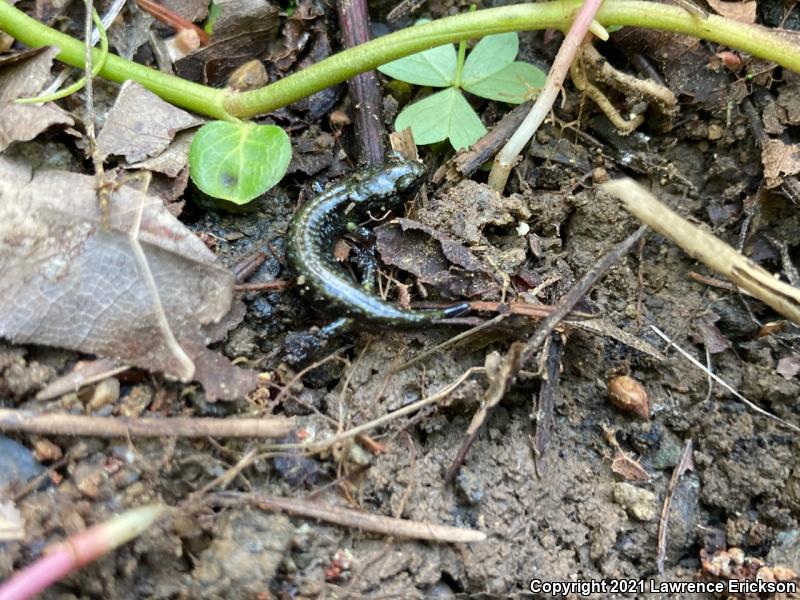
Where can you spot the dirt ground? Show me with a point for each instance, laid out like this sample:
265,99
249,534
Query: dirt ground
573,518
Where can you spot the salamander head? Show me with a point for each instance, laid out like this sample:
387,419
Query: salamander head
405,173
388,184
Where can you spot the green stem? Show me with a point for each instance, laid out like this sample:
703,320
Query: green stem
32,33
97,66
756,40
462,52
340,67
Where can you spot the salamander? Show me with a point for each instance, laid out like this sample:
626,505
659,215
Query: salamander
317,225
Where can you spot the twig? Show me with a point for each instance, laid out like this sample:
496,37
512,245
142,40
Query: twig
718,283
324,445
186,367
262,286
299,375
58,424
467,161
83,373
720,381
686,464
547,97
355,519
577,292
707,248
248,265
518,355
224,479
500,379
548,393
173,19
364,88
76,451
535,311
448,343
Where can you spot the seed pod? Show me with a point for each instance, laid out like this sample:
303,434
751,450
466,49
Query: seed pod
628,394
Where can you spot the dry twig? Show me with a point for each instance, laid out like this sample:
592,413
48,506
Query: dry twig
707,248
722,382
685,464
58,424
355,519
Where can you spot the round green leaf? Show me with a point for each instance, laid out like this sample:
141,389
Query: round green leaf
513,84
238,161
440,116
490,55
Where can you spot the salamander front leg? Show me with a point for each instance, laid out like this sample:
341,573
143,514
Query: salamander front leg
335,328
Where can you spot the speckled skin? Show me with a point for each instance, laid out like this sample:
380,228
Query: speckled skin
320,222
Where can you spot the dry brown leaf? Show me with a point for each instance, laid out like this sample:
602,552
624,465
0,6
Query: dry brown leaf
171,161
788,366
141,125
780,159
433,257
744,12
23,76
69,282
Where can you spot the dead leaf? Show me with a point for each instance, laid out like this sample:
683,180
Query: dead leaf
141,125
173,159
242,32
780,159
23,76
708,334
788,366
11,525
433,258
69,282
744,12
629,469
23,122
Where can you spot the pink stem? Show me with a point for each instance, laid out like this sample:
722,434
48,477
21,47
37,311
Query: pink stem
35,578
79,550
555,81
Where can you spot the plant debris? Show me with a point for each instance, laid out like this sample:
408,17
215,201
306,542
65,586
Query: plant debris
72,284
23,76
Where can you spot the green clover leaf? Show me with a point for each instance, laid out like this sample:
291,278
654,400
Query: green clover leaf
435,67
490,55
443,115
489,72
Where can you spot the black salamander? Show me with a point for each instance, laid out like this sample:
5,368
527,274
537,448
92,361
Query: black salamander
317,225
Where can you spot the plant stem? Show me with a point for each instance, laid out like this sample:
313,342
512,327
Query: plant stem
462,52
79,550
506,158
193,96
340,67
756,40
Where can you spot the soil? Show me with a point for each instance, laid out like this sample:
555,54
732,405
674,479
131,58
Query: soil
573,518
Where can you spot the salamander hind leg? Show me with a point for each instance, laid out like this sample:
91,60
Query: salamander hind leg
456,310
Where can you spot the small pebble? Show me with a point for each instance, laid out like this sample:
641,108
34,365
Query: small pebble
106,392
45,450
641,504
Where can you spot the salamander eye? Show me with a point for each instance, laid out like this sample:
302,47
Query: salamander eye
406,181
